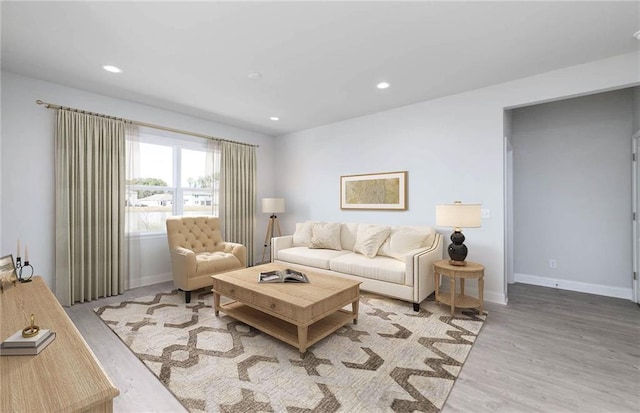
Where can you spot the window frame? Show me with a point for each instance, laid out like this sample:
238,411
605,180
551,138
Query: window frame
177,143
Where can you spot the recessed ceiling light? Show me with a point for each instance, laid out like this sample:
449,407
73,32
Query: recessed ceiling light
255,75
112,69
382,85
637,35
274,118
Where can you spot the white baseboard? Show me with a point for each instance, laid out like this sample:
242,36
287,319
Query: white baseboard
150,279
578,286
495,297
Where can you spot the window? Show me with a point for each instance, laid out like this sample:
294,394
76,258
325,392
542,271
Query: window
199,185
169,174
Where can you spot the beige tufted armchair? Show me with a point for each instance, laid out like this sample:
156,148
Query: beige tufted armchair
198,251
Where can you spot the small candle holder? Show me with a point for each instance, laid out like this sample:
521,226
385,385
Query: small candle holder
26,267
31,330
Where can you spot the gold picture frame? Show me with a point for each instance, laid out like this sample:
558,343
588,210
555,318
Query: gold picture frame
385,190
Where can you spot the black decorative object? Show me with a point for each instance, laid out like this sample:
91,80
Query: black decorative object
26,267
457,250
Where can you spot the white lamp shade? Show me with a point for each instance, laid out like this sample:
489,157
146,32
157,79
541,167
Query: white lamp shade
272,205
458,215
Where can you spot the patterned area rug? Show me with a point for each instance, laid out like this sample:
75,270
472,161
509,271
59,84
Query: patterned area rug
394,359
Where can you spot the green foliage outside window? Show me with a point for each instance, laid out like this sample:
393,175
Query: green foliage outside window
143,193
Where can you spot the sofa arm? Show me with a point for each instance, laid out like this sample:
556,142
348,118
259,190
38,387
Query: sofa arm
422,269
280,243
183,264
239,250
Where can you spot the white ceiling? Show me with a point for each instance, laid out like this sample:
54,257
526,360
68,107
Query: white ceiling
320,61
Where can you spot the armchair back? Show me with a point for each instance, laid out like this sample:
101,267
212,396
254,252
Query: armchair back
197,233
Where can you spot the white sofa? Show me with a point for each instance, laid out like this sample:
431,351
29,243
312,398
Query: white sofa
392,261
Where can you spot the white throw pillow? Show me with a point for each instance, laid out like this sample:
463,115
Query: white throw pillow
326,235
404,239
370,238
302,235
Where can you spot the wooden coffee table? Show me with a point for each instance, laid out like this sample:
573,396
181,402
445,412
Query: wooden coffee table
300,314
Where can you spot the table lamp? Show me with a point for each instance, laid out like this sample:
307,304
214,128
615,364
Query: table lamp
457,216
271,206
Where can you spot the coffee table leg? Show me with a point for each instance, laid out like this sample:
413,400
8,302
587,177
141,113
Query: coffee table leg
354,309
302,338
216,303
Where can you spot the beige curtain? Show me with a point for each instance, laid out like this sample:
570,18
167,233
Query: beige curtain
132,254
212,168
238,194
90,173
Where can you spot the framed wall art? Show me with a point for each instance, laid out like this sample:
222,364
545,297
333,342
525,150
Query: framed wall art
386,190
7,271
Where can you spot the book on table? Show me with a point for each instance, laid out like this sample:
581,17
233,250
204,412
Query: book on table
17,340
282,276
16,345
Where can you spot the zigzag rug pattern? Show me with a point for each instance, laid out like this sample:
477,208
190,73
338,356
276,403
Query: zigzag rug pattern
394,359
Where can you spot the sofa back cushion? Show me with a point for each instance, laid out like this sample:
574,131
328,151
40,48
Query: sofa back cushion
326,235
403,239
370,238
348,235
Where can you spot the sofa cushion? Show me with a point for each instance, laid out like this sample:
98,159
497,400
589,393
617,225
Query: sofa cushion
370,238
325,235
302,235
401,240
348,235
378,268
318,258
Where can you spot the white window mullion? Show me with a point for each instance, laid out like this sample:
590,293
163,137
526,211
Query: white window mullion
178,208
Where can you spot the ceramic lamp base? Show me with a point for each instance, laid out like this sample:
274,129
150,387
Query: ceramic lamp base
457,250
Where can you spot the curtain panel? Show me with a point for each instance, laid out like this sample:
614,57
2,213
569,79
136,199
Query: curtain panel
90,199
238,194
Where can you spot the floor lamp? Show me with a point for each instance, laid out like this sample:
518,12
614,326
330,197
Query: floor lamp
271,206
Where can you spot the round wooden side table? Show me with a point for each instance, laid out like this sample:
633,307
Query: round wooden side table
472,270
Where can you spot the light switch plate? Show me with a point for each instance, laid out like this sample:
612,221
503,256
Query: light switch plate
485,213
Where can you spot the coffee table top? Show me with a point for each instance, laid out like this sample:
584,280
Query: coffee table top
320,286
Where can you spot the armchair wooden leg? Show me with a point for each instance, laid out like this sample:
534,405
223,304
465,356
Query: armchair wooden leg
187,297
416,307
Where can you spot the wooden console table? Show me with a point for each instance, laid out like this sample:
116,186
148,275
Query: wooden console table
66,376
472,270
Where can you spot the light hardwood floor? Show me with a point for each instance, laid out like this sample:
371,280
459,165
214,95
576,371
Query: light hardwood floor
548,350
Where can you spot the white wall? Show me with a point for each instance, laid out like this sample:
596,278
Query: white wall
27,204
572,168
452,148
636,109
